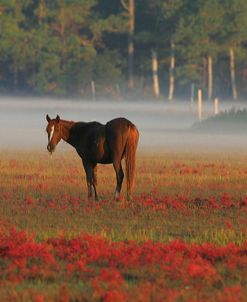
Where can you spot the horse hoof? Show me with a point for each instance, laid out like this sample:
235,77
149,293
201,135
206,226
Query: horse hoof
117,196
129,198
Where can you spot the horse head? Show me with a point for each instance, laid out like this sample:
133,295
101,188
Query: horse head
53,130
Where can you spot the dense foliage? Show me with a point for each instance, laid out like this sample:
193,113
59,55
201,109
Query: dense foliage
59,47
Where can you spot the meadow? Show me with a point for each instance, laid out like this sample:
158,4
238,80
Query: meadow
182,238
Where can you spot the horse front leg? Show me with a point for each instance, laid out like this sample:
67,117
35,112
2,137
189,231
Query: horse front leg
95,182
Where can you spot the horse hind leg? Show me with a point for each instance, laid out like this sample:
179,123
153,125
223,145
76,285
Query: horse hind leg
119,177
130,159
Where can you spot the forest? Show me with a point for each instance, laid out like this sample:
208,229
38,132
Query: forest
124,48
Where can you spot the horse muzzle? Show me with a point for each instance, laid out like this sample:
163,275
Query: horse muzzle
50,148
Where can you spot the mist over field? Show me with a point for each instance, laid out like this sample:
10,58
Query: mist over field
162,127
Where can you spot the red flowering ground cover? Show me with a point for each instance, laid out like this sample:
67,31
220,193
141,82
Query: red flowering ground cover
121,271
183,238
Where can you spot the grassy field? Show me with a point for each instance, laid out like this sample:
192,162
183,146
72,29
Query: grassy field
182,238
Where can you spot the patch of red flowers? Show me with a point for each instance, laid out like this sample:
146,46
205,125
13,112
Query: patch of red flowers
119,271
184,203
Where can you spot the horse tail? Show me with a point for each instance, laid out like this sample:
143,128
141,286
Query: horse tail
130,157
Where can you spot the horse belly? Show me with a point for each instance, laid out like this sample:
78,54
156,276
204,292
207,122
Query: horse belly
101,152
105,160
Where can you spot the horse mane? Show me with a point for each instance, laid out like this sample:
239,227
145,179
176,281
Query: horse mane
66,127
67,122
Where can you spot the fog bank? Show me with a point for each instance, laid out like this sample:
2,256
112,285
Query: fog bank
162,127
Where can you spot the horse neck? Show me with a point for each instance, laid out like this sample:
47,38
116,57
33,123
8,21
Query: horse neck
65,129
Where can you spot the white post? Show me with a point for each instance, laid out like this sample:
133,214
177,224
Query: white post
192,93
210,78
172,68
118,91
155,74
199,104
216,106
93,90
233,74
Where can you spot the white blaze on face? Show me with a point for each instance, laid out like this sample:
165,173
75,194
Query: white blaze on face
51,133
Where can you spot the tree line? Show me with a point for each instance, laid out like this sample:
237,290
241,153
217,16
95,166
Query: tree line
121,48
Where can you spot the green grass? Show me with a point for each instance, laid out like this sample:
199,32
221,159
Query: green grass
51,185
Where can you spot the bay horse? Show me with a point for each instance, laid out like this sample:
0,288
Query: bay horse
97,143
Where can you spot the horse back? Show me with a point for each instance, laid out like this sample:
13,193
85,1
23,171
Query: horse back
118,125
117,132
102,143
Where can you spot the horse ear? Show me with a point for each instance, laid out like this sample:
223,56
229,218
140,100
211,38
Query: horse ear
48,118
58,118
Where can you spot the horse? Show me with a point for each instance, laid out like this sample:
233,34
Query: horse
97,143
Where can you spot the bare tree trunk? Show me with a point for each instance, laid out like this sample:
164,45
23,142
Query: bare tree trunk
1,9
210,78
233,74
41,12
199,104
62,25
15,74
155,74
131,42
204,73
62,35
130,7
172,67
